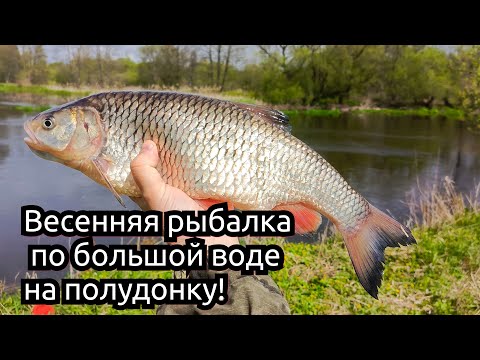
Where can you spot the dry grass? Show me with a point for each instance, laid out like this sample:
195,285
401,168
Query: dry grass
467,292
432,207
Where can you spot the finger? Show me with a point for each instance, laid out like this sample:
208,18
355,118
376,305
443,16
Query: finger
145,173
148,155
158,195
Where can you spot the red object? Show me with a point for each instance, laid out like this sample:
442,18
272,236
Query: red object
43,310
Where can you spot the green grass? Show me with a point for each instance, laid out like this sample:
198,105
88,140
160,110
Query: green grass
8,88
314,112
422,112
31,108
439,275
240,96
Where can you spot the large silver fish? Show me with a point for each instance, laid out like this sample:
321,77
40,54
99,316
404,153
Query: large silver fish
216,151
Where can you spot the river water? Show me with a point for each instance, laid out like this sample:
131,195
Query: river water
381,157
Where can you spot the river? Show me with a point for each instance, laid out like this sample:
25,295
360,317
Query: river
381,157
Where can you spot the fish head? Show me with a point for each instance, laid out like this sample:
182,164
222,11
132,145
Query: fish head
69,135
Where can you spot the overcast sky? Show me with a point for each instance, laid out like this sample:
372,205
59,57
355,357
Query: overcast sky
58,52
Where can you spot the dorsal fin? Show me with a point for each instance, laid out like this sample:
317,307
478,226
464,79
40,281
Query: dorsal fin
276,117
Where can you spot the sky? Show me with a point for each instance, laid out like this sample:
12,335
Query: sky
58,52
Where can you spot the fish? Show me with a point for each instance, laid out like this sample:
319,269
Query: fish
216,151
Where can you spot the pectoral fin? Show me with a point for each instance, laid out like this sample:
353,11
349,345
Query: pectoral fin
99,167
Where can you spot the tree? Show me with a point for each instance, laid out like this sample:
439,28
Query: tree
79,61
105,70
62,73
315,72
9,63
33,64
192,68
102,57
281,71
468,62
413,75
281,55
125,72
163,65
39,74
310,74
220,59
346,70
226,67
434,81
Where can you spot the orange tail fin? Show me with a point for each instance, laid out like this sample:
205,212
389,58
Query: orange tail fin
366,246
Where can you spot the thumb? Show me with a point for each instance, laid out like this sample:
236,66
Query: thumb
145,173
158,195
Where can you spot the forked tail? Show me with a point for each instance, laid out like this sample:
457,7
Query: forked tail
366,246
366,243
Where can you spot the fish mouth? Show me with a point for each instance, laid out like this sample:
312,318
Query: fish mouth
31,140
36,145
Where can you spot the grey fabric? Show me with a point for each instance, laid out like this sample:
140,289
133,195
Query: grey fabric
247,295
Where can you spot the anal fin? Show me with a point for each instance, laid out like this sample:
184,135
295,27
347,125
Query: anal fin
306,220
206,203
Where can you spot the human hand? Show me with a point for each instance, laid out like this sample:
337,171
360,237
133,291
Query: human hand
163,197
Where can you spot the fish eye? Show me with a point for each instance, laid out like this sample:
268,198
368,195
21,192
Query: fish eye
48,123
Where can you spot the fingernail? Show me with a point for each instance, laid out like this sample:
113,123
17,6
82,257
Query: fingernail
148,146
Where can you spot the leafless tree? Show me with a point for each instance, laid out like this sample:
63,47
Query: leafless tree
33,64
226,66
220,59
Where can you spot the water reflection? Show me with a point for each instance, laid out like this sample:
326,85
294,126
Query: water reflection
383,158
5,130
4,151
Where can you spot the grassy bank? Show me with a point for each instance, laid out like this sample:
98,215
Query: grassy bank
313,112
440,275
233,95
8,88
68,93
449,113
31,108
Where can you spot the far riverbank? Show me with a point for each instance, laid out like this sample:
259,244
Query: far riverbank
35,98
